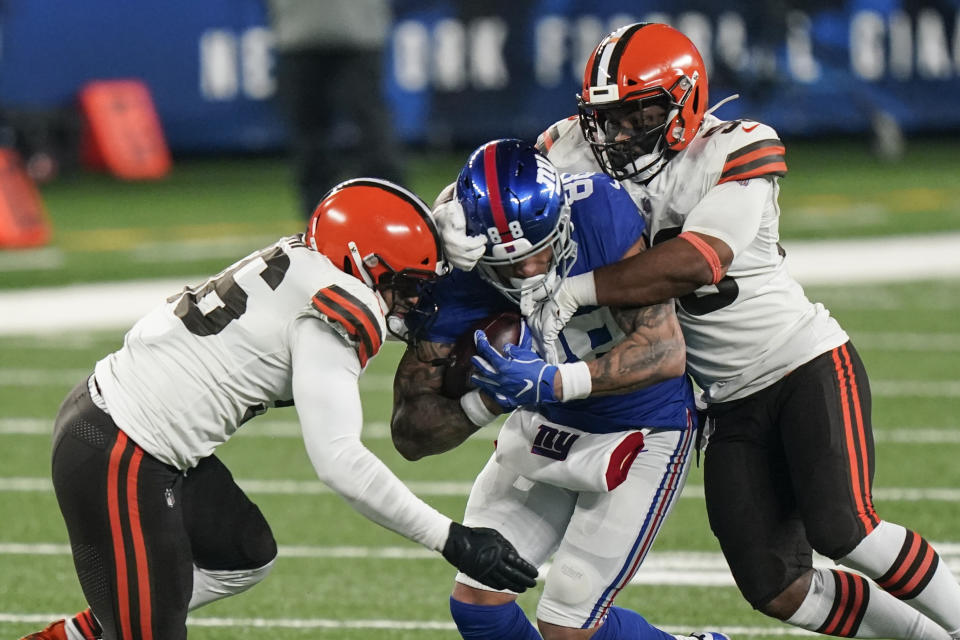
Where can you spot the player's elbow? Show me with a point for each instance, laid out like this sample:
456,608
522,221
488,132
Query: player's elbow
409,449
671,357
406,441
675,364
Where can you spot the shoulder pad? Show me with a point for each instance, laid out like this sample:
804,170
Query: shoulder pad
353,310
747,149
548,138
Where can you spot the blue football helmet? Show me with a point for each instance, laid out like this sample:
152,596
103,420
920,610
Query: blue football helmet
512,195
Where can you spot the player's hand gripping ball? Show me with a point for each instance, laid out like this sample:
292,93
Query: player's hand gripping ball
501,328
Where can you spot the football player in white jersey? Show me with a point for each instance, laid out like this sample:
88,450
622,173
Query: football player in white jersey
157,525
791,457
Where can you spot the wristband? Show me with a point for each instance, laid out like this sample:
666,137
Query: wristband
576,380
582,288
477,412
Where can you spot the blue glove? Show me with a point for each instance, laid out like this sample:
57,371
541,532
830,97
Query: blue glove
518,377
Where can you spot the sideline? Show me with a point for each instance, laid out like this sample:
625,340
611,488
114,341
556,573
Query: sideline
103,306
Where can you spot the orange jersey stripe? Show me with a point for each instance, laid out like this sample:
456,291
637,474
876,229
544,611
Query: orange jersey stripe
764,157
744,158
345,309
773,169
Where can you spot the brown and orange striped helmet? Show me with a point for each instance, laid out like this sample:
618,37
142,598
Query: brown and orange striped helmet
644,97
378,232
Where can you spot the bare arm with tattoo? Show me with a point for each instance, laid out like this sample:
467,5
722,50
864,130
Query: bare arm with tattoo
424,421
652,352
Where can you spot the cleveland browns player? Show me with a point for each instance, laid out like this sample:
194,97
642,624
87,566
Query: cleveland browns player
156,522
791,458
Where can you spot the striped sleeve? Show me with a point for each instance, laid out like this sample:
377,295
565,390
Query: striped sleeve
355,318
760,158
547,138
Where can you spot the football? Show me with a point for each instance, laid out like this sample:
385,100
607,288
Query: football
501,328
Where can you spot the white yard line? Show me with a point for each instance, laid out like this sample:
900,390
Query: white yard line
266,428
36,484
118,305
691,568
381,382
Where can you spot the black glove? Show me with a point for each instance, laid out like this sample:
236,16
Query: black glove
485,555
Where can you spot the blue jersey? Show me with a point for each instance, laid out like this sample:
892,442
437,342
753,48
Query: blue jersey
606,224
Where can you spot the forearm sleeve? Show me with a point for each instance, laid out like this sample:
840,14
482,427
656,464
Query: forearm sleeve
325,389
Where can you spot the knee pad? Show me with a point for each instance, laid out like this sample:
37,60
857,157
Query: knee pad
210,585
570,582
836,539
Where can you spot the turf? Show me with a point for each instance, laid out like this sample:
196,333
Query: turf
211,210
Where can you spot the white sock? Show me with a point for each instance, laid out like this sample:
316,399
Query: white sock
848,605
908,567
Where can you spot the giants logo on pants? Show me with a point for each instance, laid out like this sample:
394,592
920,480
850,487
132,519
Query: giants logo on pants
553,443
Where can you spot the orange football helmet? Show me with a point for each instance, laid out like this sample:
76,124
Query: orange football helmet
644,97
379,232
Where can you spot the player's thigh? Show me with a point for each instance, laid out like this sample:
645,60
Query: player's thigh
610,533
750,500
130,550
531,515
227,530
828,439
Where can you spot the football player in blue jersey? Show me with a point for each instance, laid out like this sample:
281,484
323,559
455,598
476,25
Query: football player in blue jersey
596,448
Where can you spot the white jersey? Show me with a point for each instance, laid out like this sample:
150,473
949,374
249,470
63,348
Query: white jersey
755,325
197,367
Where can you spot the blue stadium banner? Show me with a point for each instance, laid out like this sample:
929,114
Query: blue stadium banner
462,71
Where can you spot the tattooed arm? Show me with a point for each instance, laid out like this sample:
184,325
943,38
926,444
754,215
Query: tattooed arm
652,351
424,421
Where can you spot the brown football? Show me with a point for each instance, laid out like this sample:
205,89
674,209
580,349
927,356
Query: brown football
501,328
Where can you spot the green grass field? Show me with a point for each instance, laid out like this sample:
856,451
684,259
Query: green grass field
339,576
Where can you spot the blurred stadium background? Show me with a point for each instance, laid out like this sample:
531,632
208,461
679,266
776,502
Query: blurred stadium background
865,93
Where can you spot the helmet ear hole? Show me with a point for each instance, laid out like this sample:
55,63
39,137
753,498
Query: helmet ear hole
696,100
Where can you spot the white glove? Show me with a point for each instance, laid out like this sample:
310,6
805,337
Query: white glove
550,316
461,250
